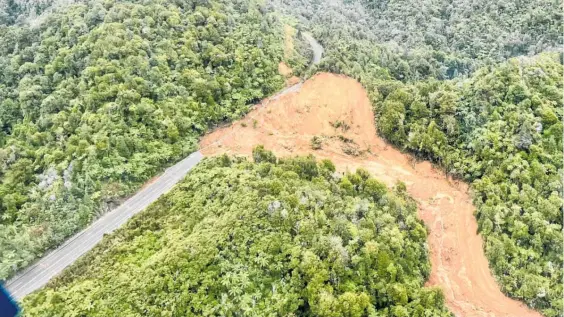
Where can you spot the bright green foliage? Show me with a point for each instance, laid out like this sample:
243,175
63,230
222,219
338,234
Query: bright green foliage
103,95
502,130
237,238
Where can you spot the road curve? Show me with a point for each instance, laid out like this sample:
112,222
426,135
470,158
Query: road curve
315,46
37,275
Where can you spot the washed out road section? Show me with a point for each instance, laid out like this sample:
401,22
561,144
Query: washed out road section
337,112
39,274
57,260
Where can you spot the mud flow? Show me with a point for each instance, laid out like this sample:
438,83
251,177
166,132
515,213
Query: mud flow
330,116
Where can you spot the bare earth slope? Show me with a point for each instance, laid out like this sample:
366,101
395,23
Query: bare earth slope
287,124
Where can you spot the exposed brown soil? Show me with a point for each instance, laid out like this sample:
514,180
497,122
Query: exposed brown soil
286,71
149,182
292,81
289,33
287,124
283,68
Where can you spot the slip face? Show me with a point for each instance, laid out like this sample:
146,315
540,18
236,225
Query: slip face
331,117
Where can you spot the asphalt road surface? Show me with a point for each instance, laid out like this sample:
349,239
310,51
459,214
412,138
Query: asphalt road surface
315,46
37,275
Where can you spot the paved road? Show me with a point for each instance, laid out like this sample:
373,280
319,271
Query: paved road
52,264
37,275
317,54
315,46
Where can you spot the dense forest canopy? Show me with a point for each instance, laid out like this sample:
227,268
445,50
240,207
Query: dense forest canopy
103,95
32,12
271,238
500,128
414,40
99,96
477,30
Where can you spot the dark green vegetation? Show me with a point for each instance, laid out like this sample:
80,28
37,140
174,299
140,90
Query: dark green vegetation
103,95
271,238
473,32
500,129
27,11
412,40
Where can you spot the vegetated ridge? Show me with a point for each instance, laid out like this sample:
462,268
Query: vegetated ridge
332,118
495,125
52,264
102,96
273,237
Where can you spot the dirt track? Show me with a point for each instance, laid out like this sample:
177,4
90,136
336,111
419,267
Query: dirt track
287,125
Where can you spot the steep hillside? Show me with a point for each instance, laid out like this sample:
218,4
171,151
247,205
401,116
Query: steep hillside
498,126
275,237
99,96
105,94
411,40
479,31
331,117
502,131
